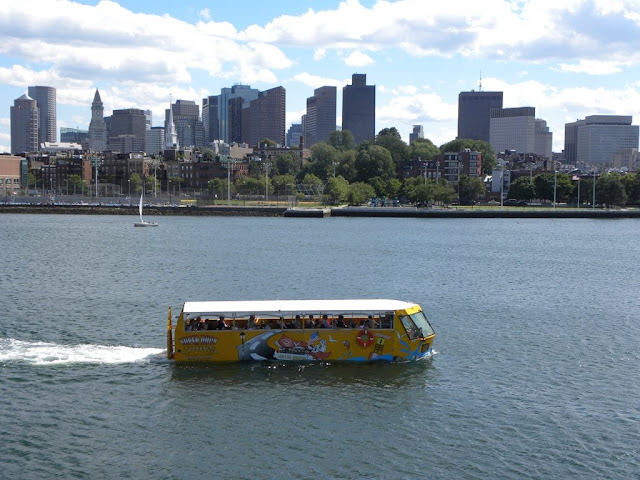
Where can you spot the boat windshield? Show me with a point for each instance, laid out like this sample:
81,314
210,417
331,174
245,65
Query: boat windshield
416,325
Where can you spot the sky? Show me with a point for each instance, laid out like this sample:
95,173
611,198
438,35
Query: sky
566,58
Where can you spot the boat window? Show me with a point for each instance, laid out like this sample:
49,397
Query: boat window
413,332
420,321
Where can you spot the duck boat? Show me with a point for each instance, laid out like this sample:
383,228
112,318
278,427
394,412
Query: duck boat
361,330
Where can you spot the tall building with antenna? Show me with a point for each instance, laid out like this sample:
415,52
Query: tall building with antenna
474,112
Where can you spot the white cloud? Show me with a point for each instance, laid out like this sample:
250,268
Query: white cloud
358,59
204,13
315,81
593,67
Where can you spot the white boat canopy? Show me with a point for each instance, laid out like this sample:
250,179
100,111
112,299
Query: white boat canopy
293,307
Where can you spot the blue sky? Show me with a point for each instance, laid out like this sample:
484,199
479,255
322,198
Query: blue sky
568,59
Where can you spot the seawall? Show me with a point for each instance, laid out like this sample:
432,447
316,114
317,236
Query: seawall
271,211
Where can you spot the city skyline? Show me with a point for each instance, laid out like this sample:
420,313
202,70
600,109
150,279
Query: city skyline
569,60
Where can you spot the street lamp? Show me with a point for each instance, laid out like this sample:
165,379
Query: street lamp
242,335
593,203
555,187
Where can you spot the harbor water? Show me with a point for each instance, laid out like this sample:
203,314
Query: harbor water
535,372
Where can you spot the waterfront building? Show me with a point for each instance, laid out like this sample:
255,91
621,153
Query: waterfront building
24,125
417,133
13,175
45,98
320,119
294,135
359,108
474,113
98,126
128,131
154,140
596,139
450,165
188,125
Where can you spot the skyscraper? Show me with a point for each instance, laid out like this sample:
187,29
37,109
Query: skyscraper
418,132
320,120
97,127
237,91
24,125
128,122
210,118
359,108
474,109
189,127
45,97
266,117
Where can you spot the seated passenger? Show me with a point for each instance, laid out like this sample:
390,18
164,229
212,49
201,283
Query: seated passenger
340,323
187,326
368,323
253,322
308,323
325,322
297,323
222,325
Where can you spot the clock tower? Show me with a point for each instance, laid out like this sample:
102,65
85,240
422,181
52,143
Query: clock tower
97,127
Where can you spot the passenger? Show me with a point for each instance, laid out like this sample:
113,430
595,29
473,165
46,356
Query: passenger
369,322
289,323
280,323
209,324
222,324
253,322
308,323
296,322
187,325
325,322
268,325
340,323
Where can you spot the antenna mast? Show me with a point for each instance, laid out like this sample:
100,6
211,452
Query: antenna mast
480,83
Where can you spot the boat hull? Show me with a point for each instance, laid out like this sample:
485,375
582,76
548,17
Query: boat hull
303,345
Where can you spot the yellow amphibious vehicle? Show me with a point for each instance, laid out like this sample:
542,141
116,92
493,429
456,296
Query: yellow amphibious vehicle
363,330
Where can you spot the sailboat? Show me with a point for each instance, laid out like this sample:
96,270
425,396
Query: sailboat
142,222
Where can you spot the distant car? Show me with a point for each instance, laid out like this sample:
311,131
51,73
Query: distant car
512,202
523,203
468,202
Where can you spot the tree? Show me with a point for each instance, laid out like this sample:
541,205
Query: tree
283,184
522,189
390,139
208,156
268,142
136,182
76,184
444,192
469,188
424,192
323,157
423,149
375,161
610,191
342,140
488,155
544,186
287,164
249,185
337,189
347,164
360,193
217,185
631,184
151,183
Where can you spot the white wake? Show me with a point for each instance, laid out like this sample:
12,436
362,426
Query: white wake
43,353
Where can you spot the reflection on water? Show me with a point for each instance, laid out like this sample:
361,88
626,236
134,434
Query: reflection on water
380,375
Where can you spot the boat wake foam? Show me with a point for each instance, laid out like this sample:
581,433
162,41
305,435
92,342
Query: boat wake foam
43,353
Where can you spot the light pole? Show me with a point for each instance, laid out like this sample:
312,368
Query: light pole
501,187
593,203
129,184
578,191
555,187
267,167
